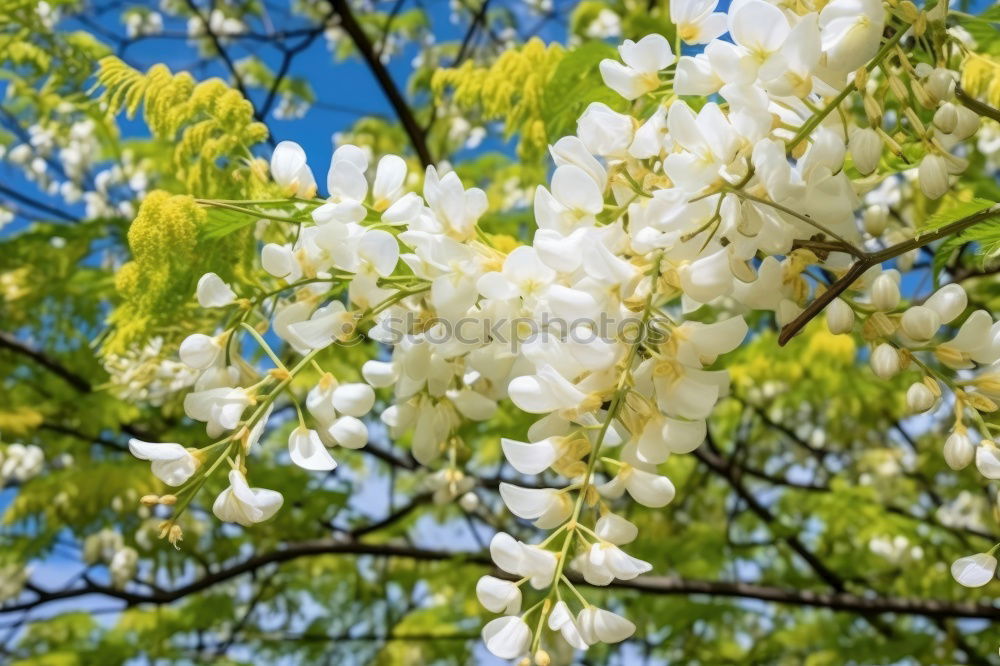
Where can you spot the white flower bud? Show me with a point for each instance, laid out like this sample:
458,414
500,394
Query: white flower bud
875,219
920,323
946,118
885,292
919,398
958,451
353,399
839,317
349,432
199,351
866,149
967,123
949,301
469,502
885,361
212,292
940,84
988,459
933,176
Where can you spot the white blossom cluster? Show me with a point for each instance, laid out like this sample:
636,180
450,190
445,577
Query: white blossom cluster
107,547
143,375
648,216
20,463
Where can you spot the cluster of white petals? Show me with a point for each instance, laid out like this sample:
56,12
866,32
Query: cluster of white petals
597,326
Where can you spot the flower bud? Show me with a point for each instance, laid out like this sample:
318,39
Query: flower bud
920,323
933,176
866,148
875,219
919,398
940,84
946,118
873,110
469,502
967,123
958,451
199,351
885,292
839,317
949,302
885,361
988,459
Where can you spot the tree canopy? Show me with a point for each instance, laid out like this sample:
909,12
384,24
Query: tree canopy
618,332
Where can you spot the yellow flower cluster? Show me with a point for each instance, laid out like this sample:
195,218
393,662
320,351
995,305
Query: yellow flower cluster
207,123
169,255
510,89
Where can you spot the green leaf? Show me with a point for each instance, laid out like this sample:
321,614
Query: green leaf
952,210
575,84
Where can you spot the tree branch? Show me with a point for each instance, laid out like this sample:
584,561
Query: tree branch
660,585
871,259
364,46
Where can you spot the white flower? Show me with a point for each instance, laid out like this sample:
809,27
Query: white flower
561,620
172,463
758,27
507,637
390,177
604,562
851,31
696,20
220,408
605,132
599,625
646,488
530,458
643,61
239,503
199,351
328,324
307,450
546,506
532,562
975,570
212,292
289,169
123,566
615,529
498,596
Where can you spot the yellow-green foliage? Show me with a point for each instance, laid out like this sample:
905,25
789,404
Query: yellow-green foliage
510,89
169,254
981,77
209,125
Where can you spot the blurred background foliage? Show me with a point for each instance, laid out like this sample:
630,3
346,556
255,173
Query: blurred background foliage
813,481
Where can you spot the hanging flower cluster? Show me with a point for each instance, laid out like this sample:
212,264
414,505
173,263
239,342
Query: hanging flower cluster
734,180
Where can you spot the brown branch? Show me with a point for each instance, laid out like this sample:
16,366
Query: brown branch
660,585
871,259
8,341
364,46
975,105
